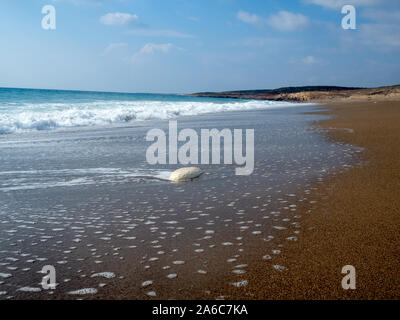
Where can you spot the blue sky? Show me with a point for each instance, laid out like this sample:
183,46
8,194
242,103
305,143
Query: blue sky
198,45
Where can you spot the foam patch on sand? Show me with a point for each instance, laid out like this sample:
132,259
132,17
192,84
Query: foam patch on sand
84,291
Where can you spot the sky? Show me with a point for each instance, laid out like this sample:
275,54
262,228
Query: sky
184,46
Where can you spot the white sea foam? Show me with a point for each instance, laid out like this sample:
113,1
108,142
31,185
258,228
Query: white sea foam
147,283
107,275
84,291
239,284
48,116
43,179
5,275
29,289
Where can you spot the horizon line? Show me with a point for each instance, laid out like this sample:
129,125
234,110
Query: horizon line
175,93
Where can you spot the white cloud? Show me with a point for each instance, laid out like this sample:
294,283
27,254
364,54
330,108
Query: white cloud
383,33
380,36
337,4
153,48
283,20
118,19
310,60
112,47
287,21
159,33
249,18
260,42
382,15
377,36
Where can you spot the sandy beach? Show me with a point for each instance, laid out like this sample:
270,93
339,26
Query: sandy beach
356,220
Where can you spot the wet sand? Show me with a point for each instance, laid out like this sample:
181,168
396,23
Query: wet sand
356,220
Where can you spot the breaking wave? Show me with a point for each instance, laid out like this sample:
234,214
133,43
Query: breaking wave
42,116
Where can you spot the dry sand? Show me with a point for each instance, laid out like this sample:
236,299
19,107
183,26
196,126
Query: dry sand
356,221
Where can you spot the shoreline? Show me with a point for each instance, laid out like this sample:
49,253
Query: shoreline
356,219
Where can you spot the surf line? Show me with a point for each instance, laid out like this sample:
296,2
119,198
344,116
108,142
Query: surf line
188,152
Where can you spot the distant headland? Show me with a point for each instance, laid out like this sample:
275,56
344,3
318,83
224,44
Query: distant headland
311,94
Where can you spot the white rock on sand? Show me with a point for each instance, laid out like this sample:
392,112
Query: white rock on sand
185,174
